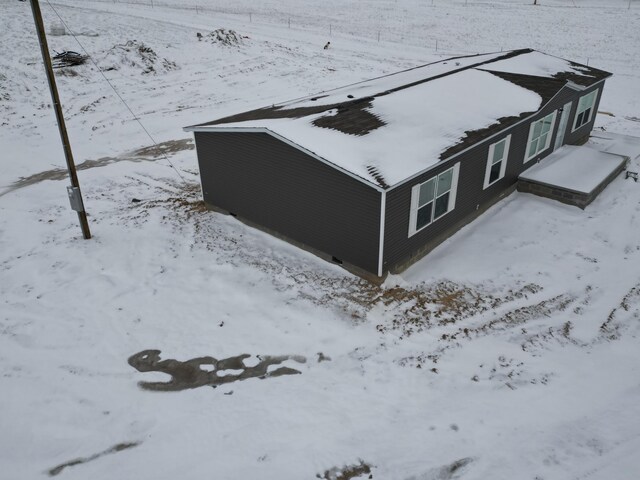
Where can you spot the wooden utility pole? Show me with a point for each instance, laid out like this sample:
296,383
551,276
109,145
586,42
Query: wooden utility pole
75,196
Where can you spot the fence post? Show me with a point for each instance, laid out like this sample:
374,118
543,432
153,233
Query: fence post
250,19
329,29
378,36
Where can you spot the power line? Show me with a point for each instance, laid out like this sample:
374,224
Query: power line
135,117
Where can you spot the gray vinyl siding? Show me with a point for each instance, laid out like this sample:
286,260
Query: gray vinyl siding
471,198
261,179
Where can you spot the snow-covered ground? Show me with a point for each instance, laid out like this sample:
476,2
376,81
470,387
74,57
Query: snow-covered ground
510,352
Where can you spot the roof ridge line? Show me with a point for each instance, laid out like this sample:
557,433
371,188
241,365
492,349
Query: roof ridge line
324,92
508,54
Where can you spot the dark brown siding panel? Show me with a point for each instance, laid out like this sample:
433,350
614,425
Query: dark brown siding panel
471,198
277,186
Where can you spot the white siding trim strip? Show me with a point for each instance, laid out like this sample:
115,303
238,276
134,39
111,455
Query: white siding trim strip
383,212
413,212
453,193
214,129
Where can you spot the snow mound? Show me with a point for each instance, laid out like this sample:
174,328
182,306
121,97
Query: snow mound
222,36
137,55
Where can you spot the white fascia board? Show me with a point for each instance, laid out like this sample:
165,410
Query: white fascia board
383,212
214,129
497,134
223,129
575,86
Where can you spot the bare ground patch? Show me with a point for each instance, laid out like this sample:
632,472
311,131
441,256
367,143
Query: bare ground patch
612,328
79,461
446,472
144,154
208,371
347,472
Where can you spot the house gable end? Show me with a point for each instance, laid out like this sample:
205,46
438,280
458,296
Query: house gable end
271,184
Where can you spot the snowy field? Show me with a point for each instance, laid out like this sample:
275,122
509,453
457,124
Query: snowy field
510,352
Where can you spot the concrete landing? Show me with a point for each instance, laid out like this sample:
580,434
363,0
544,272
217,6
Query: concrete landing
572,175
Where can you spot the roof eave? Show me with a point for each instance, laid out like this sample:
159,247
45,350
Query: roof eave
218,129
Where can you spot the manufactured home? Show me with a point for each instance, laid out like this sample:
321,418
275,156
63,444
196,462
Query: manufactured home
375,174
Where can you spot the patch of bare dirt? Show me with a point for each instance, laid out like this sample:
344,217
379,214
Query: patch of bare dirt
511,373
79,461
611,329
4,95
446,472
208,371
347,472
445,303
144,154
512,318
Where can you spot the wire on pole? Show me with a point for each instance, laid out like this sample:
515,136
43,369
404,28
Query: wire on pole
135,117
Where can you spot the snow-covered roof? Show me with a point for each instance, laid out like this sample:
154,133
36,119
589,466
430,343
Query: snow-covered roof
540,64
387,129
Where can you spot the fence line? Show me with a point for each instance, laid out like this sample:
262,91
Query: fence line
387,34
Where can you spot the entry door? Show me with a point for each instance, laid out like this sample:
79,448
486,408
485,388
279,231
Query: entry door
562,127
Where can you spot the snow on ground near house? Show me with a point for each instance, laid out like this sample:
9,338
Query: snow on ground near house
575,168
509,352
616,143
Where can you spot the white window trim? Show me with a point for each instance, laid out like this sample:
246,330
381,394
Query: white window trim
592,107
503,166
548,142
415,198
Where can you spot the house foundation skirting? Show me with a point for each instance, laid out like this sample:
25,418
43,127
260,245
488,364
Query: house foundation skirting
368,276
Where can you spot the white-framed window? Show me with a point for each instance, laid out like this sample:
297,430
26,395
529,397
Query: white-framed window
497,161
585,109
540,134
432,199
